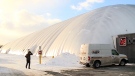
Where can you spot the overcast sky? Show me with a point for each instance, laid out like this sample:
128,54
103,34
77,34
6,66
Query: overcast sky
19,18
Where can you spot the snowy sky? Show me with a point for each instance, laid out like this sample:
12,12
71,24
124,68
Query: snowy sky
22,17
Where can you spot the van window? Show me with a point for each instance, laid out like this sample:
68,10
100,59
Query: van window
114,52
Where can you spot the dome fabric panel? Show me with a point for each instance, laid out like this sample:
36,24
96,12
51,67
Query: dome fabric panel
95,27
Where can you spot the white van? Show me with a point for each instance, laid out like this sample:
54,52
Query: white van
97,55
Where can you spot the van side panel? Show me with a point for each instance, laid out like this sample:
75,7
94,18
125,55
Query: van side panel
104,54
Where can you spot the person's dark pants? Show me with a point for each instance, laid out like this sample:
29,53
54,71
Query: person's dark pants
28,62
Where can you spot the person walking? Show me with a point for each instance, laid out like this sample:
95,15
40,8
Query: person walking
28,58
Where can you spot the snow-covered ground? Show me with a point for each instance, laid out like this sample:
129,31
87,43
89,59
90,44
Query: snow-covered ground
16,64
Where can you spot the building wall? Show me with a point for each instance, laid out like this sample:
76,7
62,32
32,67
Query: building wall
129,48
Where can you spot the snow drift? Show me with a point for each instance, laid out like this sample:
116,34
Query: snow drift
65,59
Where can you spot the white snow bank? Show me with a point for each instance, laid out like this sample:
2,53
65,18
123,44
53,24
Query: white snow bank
65,59
130,64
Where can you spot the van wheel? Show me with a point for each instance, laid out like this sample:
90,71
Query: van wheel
96,64
87,65
122,63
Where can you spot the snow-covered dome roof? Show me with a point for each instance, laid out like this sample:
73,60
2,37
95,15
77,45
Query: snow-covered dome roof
94,27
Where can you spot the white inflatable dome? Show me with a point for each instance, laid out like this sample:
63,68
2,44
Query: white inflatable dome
95,27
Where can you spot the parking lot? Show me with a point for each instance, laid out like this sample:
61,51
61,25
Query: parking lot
114,70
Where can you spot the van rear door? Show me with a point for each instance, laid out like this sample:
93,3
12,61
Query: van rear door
84,54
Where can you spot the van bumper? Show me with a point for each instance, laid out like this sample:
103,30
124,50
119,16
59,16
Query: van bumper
83,63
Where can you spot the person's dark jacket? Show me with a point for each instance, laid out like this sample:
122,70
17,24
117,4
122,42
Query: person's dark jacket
28,55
